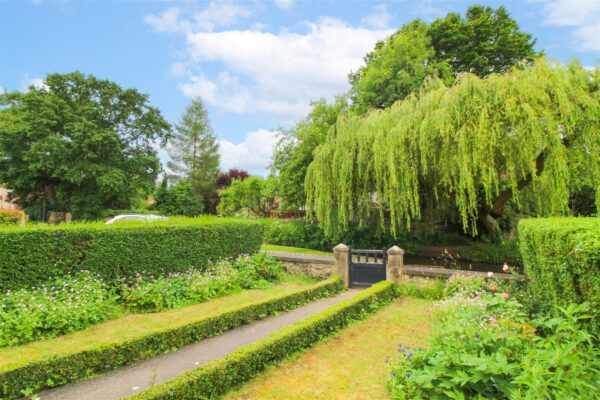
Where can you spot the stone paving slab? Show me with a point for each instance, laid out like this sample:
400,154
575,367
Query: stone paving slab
135,378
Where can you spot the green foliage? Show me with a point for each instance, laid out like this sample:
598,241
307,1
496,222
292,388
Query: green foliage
152,294
179,199
56,371
194,150
485,347
396,68
64,305
217,377
294,151
472,146
254,193
80,144
561,257
487,41
10,217
31,256
427,291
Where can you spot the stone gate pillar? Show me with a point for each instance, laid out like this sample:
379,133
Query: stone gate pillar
340,252
395,264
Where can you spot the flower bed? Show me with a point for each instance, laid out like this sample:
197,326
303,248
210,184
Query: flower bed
490,343
76,302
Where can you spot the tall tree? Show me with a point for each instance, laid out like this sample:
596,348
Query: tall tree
254,193
80,144
475,145
194,150
487,41
294,152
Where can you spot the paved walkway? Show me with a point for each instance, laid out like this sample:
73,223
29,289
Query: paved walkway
135,378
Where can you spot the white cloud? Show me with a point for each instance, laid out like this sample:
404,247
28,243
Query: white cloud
379,18
582,16
220,13
284,4
37,83
2,90
278,72
253,154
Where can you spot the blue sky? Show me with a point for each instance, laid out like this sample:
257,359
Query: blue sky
256,64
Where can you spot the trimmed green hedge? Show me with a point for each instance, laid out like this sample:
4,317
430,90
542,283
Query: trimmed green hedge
562,258
32,256
56,371
217,377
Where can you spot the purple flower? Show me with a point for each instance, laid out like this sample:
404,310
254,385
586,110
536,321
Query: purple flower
393,374
476,336
408,374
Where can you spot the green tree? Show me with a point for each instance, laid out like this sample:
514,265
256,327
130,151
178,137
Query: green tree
179,199
194,150
474,145
486,41
254,193
395,68
294,151
79,144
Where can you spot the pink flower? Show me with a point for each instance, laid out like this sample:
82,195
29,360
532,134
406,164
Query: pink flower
493,288
505,268
490,274
505,295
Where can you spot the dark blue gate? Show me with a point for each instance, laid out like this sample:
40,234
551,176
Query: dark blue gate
366,267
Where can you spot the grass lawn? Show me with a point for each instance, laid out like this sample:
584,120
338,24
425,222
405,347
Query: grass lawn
136,325
350,365
289,249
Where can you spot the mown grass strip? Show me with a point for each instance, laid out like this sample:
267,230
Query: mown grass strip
60,369
218,377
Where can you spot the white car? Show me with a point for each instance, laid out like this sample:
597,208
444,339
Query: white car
136,217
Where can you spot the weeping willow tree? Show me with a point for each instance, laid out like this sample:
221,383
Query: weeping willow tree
474,145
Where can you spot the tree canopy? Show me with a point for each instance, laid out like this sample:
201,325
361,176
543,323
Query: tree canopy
294,151
253,193
474,144
194,150
80,144
486,41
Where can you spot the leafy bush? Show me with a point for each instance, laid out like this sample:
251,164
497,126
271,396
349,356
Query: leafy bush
147,293
59,370
561,257
433,291
485,346
217,377
31,256
10,217
65,305
179,199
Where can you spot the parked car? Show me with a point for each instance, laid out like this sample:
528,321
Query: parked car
136,217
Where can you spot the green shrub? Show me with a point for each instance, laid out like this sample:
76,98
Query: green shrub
561,257
31,256
428,291
65,305
151,294
10,217
59,370
487,348
217,377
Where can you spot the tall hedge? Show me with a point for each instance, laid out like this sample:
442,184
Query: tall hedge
29,257
561,257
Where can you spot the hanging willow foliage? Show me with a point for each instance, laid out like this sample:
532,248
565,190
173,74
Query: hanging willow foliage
476,144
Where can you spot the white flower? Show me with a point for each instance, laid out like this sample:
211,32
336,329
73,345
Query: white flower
490,274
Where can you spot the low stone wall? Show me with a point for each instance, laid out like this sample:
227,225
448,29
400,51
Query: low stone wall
306,264
324,266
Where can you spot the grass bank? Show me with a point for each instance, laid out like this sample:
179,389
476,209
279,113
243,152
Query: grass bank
349,365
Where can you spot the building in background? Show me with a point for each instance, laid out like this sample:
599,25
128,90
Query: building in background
5,201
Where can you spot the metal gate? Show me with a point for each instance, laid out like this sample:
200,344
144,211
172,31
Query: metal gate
364,272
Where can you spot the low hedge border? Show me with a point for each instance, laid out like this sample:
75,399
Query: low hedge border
33,256
59,370
217,377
